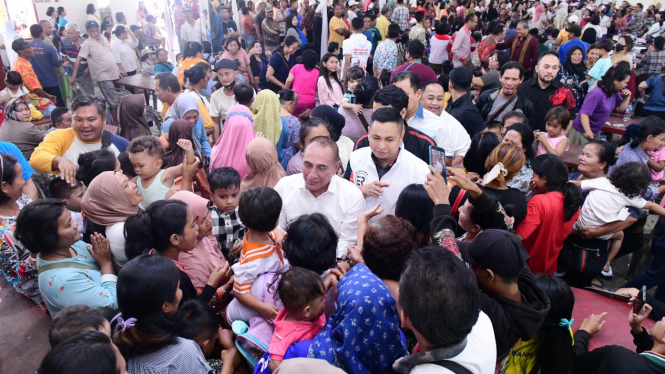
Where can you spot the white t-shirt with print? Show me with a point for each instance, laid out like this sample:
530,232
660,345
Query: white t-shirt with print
359,48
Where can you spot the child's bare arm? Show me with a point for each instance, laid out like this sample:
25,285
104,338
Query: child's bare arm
267,311
347,105
657,166
655,208
561,147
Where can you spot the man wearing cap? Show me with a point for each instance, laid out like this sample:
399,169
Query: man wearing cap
23,67
71,44
223,99
191,29
103,66
574,34
44,62
123,50
461,107
382,23
524,48
352,4
337,29
271,30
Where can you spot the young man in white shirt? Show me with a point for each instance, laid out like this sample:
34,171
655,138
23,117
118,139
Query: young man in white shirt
123,49
357,48
446,131
318,190
384,169
190,31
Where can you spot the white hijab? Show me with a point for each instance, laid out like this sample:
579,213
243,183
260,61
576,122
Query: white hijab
10,36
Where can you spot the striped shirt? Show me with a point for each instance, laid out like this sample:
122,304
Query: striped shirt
257,259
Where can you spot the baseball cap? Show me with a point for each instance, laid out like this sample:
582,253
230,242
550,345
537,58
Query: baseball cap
573,19
19,45
225,64
461,77
497,250
268,7
91,25
353,2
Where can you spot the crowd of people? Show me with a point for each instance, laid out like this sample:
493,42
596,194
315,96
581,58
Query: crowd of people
287,212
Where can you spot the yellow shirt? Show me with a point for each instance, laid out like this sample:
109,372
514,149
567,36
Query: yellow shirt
334,24
382,24
185,65
563,34
203,112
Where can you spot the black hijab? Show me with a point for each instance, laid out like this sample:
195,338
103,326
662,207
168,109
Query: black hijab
575,69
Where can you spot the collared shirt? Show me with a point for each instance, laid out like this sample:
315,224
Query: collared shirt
71,52
418,33
342,203
44,62
23,67
530,56
461,47
446,131
334,24
652,62
545,99
191,33
184,356
123,51
382,24
101,61
385,56
414,141
401,17
226,228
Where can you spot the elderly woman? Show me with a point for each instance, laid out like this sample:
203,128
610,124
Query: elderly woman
18,129
264,164
187,108
110,198
70,272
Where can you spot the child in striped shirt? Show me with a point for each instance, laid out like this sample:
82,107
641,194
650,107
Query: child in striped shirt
261,257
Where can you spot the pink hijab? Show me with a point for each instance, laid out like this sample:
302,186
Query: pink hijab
200,261
540,9
230,147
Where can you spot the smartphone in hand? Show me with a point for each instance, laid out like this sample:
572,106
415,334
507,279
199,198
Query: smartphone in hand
640,300
437,158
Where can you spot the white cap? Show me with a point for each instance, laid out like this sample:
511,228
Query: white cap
353,2
573,19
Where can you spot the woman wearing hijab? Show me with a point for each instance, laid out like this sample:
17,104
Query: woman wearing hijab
265,168
237,134
187,108
110,198
540,20
561,16
572,72
200,261
266,110
366,317
18,129
131,115
174,155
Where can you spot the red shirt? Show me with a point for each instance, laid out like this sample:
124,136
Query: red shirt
544,231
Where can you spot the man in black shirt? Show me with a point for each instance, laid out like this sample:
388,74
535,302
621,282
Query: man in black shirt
546,92
229,29
415,141
461,107
259,20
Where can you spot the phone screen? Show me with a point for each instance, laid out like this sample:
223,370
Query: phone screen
437,158
640,300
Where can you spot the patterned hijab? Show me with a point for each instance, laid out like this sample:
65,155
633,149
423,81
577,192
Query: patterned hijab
364,336
266,116
11,108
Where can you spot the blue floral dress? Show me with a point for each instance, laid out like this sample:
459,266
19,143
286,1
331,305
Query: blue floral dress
292,125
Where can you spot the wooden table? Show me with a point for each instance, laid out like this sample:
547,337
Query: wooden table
617,125
571,156
145,82
616,329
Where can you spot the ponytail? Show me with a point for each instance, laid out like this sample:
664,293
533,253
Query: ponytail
191,49
153,228
289,40
651,125
556,173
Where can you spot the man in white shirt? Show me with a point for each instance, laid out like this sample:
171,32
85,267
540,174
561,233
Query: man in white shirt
319,190
190,31
352,10
356,48
223,99
123,49
384,169
446,131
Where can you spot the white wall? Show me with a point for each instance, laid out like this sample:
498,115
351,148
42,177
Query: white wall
76,10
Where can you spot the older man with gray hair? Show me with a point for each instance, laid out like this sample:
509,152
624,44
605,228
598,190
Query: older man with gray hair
71,44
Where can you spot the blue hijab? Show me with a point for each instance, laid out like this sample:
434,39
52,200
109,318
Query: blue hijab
364,336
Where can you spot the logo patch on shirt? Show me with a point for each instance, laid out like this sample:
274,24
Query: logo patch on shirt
359,177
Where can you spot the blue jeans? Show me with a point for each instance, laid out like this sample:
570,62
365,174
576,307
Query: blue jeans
249,39
654,275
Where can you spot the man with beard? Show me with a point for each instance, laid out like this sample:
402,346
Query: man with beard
223,99
494,104
546,92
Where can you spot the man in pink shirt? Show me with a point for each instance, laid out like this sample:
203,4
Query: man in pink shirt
178,20
462,44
